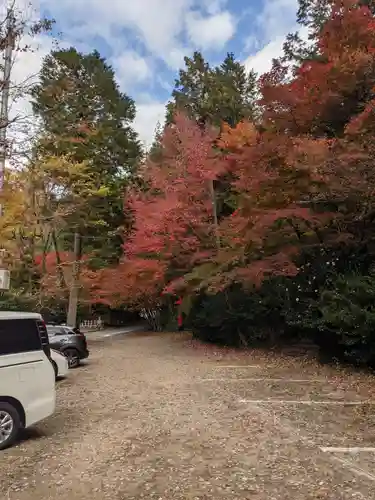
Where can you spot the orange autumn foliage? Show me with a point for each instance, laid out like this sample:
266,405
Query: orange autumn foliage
312,145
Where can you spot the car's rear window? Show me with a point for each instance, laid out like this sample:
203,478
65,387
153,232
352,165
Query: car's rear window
54,330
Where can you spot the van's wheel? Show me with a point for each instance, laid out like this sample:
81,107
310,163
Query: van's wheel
55,369
10,425
72,356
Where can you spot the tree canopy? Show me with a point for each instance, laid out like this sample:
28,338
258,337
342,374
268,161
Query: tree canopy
226,93
255,200
85,116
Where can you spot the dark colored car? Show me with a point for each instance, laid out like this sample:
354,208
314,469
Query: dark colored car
70,342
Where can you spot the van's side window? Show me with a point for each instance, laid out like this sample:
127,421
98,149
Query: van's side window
18,336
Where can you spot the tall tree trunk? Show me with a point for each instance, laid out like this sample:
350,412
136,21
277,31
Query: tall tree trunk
214,212
74,286
45,251
60,271
31,246
243,341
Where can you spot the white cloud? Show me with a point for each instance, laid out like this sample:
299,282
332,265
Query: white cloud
167,29
149,113
25,74
261,62
213,6
27,59
252,43
276,19
131,68
212,31
159,24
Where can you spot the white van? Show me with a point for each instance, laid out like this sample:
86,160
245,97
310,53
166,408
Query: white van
27,377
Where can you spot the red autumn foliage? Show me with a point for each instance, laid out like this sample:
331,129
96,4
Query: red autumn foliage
137,283
327,106
173,220
314,143
178,207
51,260
272,178
324,93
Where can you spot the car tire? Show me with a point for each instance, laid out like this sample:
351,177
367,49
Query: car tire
55,369
72,356
10,425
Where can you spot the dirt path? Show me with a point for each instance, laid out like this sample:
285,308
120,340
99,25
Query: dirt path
155,417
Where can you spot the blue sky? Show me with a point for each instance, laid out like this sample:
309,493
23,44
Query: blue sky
146,40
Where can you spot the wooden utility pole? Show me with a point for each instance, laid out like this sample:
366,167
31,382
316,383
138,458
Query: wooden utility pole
4,109
4,121
74,285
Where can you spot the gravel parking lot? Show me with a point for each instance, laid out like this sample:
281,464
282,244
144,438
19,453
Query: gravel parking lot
157,416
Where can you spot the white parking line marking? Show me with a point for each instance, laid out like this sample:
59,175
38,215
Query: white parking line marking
355,469
350,449
347,464
237,366
304,402
286,380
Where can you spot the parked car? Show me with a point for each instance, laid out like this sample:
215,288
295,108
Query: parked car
60,364
27,379
69,342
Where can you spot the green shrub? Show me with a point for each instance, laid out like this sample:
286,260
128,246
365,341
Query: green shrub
346,322
235,317
331,302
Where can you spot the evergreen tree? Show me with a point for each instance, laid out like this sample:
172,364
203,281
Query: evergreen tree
192,90
85,116
234,92
155,151
213,95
